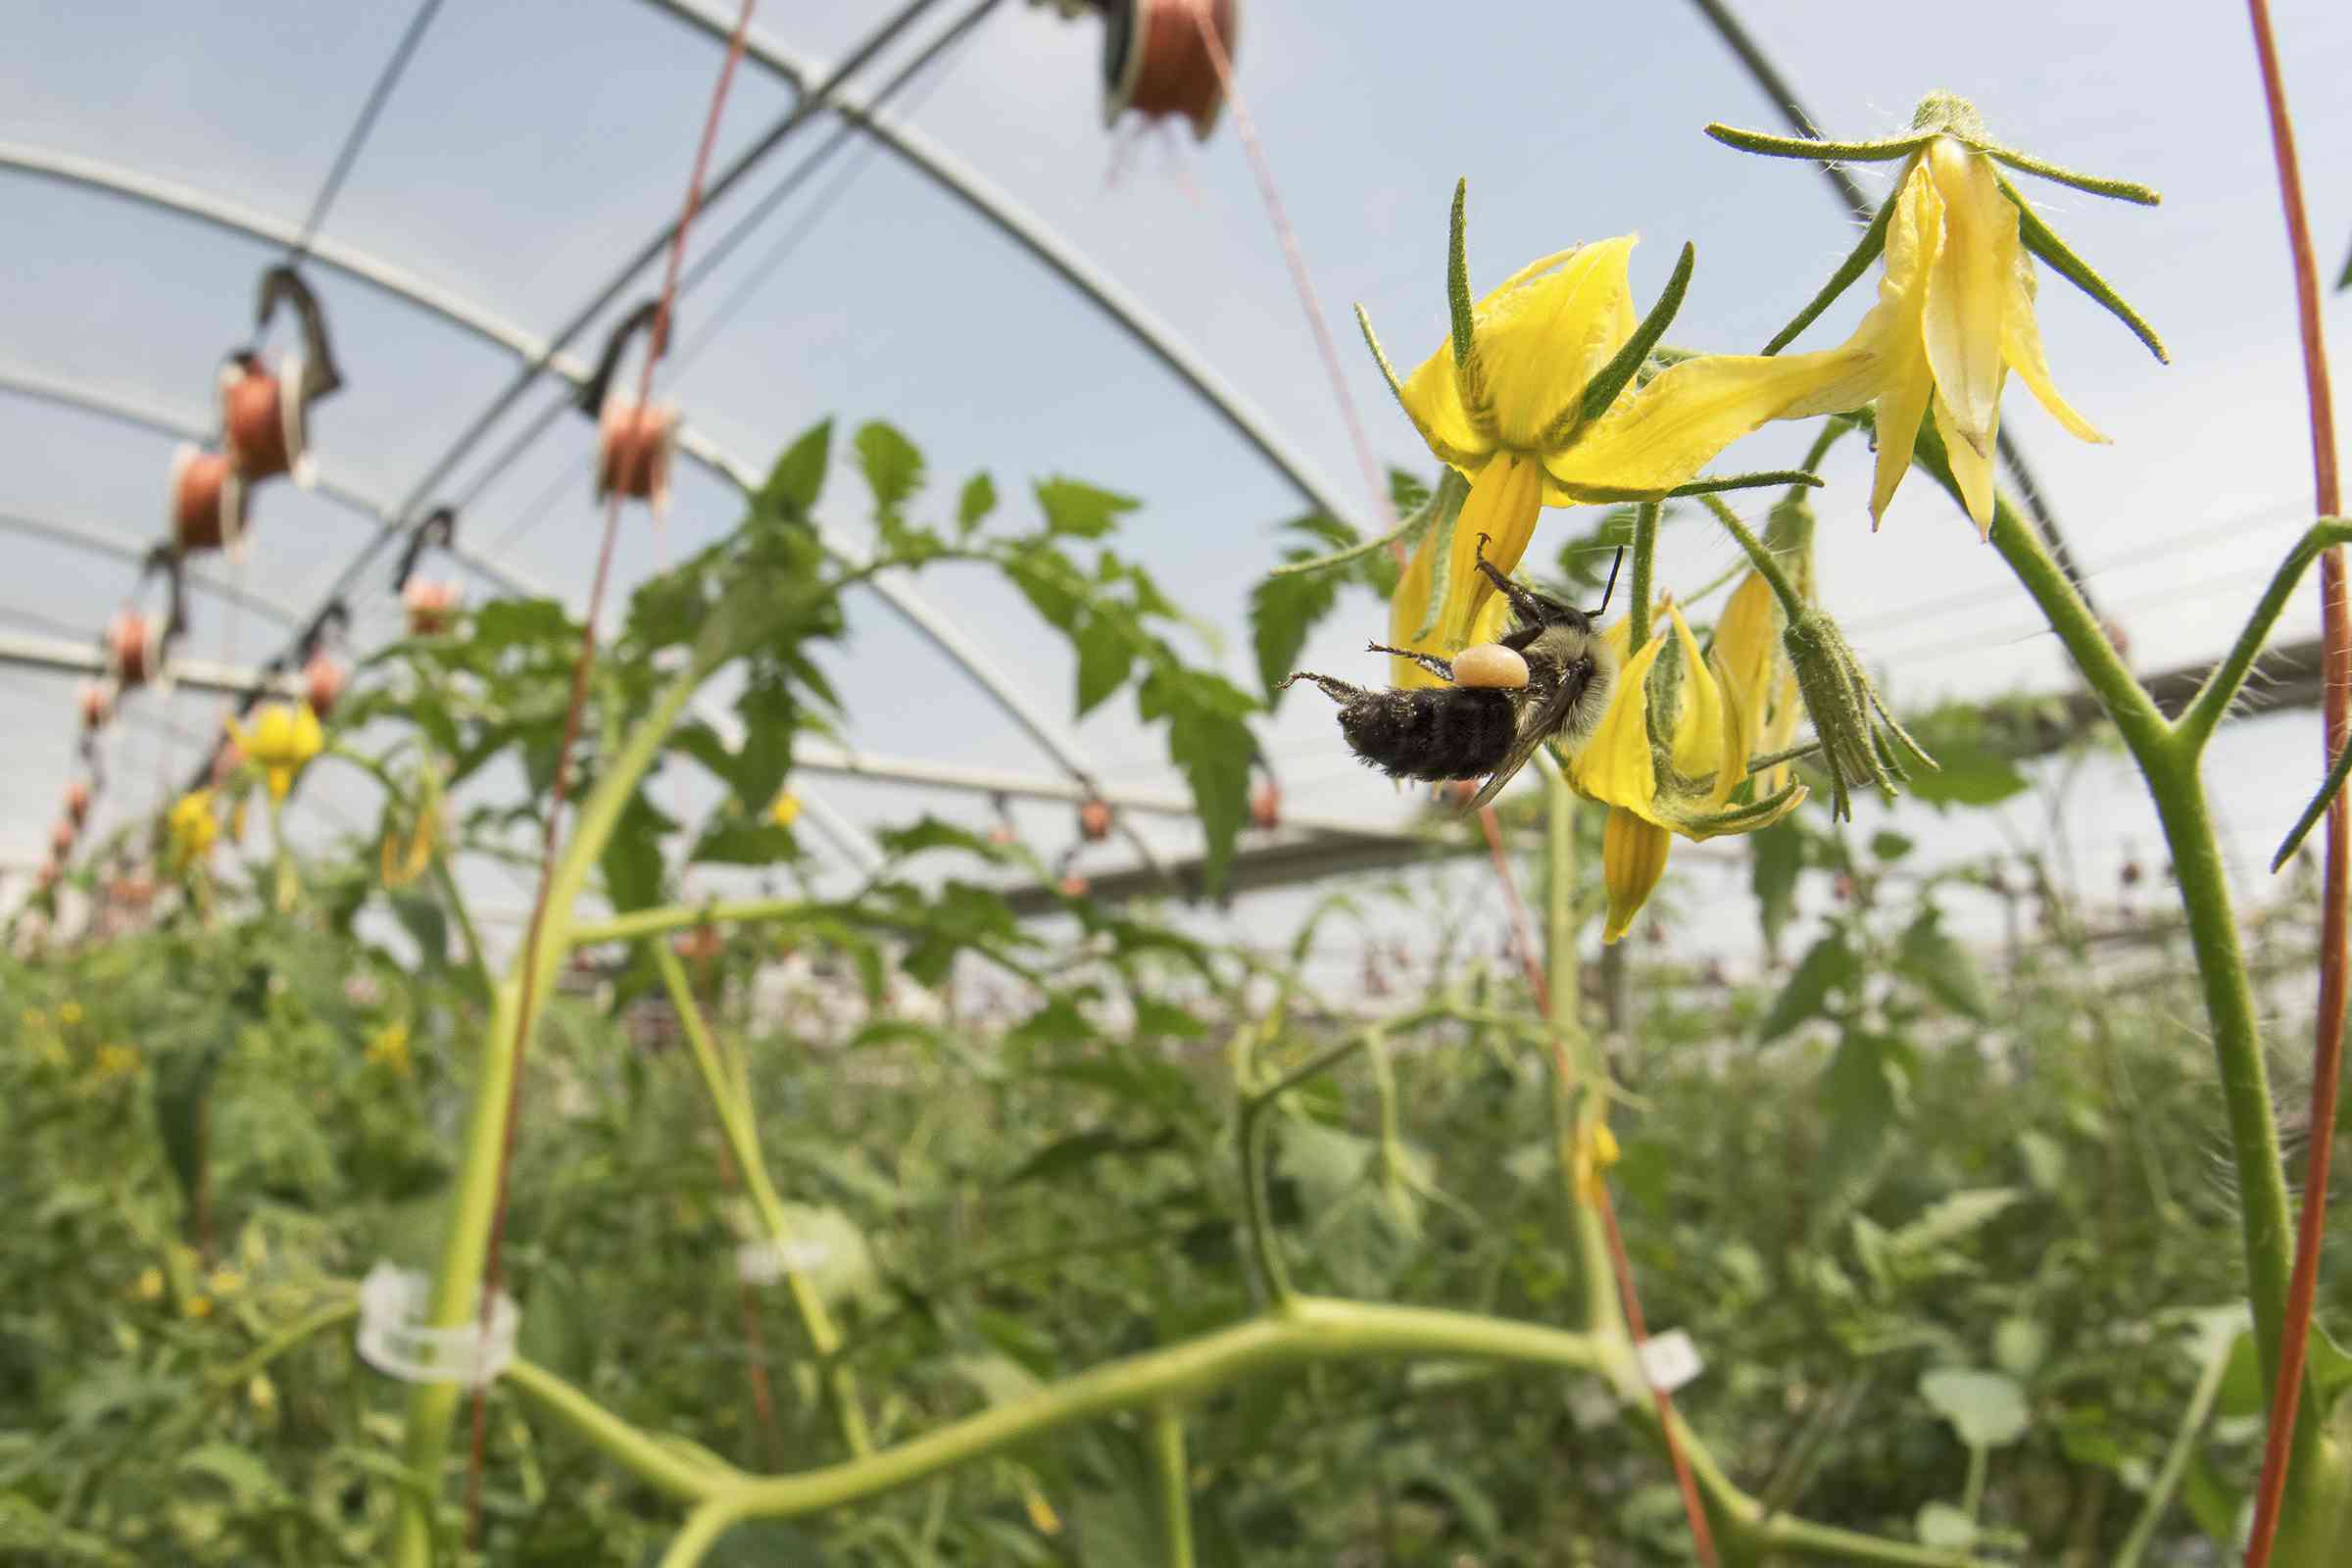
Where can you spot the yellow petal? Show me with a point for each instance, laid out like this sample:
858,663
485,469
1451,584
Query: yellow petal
1913,239
1542,334
1433,399
1662,435
1972,470
1633,857
1616,764
1967,286
1744,639
1697,748
1408,610
2021,348
1505,499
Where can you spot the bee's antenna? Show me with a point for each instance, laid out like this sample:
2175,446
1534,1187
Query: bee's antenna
1612,587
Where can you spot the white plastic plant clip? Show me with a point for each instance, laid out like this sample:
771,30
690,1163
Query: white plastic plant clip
765,1263
392,1341
1669,1360
1591,1404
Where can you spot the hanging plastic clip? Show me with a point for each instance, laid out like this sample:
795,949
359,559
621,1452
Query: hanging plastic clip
393,1340
634,442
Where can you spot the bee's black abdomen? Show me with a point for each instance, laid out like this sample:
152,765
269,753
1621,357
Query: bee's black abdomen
1431,733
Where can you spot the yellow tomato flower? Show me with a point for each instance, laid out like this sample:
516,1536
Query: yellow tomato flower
785,809
1409,615
198,1306
1669,755
1955,315
285,737
388,1048
1519,401
69,1014
225,1281
150,1287
115,1061
192,828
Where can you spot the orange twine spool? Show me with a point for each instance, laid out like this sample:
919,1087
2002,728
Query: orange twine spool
430,604
78,802
321,683
265,428
60,840
96,708
633,446
1156,60
135,647
207,502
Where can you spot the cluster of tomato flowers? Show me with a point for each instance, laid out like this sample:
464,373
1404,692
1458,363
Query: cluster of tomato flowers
1550,393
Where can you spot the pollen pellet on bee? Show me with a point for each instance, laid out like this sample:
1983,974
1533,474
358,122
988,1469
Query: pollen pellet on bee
1489,666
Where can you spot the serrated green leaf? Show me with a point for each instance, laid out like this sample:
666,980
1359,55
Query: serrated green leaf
1928,955
1106,658
978,500
1827,966
1988,1409
632,858
892,464
799,475
1082,510
1776,856
1283,612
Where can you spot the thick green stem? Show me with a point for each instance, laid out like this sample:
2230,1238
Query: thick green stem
668,1467
741,1130
1575,1072
1175,1486
465,1238
638,923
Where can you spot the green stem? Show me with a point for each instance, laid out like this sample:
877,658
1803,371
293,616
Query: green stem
1313,1329
1250,1132
667,1467
2177,1458
465,1239
742,1132
1575,1072
1645,552
638,923
1972,1492
333,1314
1767,566
1175,1485
2206,710
703,1529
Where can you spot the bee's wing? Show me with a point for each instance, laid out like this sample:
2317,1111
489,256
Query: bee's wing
1535,727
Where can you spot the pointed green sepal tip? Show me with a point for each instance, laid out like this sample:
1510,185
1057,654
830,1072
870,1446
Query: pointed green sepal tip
1614,376
2040,239
1458,273
1814,149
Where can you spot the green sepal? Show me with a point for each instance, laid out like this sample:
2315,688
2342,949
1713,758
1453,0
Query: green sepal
1738,818
1457,275
1795,478
1883,150
1866,251
1445,509
1614,376
2122,190
2038,238
1409,532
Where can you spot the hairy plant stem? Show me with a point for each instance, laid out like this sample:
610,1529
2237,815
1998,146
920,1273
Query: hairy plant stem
465,1238
1577,1079
1645,560
741,1130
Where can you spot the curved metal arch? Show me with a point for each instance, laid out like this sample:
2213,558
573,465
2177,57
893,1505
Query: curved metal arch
158,421
853,841
1034,235
92,174
101,542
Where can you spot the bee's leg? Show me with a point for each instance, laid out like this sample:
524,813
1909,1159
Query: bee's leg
1430,661
1532,609
1339,691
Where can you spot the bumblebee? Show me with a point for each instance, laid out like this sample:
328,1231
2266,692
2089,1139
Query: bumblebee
1552,685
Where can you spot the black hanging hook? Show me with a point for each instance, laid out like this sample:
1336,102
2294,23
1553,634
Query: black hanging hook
591,398
165,558
439,527
319,377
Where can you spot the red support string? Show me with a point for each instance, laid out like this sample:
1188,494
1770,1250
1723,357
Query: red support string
1694,1508
2335,695
1381,508
561,786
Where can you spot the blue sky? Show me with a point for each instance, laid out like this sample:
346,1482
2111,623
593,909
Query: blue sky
534,143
